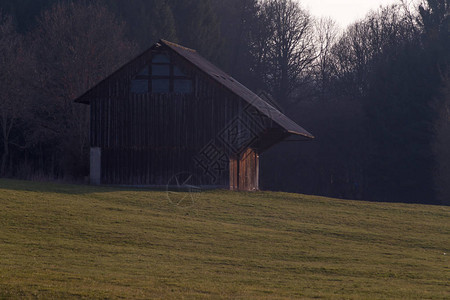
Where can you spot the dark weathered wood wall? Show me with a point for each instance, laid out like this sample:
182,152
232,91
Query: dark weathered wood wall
148,138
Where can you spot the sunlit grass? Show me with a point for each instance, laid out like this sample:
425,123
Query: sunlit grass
62,241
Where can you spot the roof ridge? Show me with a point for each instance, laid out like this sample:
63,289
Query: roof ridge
176,45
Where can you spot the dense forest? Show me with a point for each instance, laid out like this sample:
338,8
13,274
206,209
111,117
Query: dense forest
376,94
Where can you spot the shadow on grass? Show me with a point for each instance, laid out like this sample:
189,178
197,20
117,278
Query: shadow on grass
68,188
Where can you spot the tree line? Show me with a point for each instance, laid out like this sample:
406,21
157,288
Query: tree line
375,94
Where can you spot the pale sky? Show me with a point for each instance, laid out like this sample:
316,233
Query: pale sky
344,12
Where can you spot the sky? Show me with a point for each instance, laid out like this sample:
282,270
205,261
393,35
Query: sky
344,12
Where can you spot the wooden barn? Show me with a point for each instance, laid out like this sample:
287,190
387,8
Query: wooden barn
171,114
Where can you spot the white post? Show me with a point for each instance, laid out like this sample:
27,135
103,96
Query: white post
95,165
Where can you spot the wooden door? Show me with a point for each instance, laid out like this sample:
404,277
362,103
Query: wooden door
244,171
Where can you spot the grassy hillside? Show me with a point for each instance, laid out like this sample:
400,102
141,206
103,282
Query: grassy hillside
60,241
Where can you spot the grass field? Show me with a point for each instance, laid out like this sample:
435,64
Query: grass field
67,241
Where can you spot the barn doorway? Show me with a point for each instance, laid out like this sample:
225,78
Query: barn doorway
244,171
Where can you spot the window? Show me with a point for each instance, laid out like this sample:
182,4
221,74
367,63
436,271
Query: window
139,85
161,77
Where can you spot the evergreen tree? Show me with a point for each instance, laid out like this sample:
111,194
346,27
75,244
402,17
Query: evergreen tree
435,23
198,26
24,12
238,23
399,124
147,20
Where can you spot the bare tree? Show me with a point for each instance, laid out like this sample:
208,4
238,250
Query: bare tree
260,46
13,100
366,40
326,36
292,48
76,45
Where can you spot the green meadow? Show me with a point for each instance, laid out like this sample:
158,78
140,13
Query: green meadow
71,241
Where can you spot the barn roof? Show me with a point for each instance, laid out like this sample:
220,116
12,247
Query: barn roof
232,85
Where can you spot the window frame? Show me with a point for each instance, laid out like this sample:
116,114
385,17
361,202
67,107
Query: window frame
171,76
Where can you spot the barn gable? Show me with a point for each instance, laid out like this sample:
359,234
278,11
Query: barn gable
171,111
214,73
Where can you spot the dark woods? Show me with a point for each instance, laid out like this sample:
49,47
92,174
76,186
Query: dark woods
376,95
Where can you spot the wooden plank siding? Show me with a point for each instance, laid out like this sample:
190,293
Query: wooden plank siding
146,139
249,171
244,171
234,173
